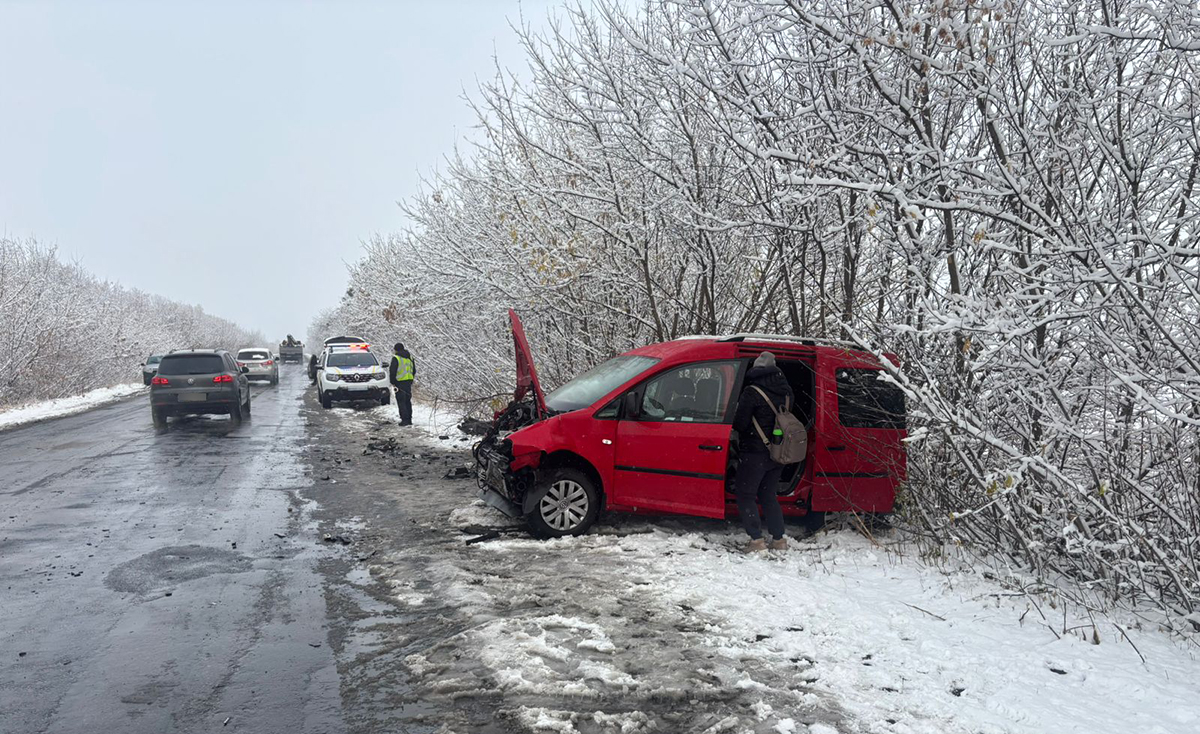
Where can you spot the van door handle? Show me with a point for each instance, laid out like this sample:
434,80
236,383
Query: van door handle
709,447
836,448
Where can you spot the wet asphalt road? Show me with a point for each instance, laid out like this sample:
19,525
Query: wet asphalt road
288,576
163,582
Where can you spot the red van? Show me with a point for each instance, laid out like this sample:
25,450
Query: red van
651,431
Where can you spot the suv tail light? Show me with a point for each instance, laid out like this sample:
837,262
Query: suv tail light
223,378
160,381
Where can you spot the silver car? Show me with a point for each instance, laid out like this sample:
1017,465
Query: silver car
260,364
150,368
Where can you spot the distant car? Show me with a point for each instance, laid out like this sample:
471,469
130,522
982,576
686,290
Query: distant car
199,381
351,372
150,368
261,363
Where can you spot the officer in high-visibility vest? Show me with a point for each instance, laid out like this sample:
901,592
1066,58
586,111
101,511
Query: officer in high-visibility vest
402,373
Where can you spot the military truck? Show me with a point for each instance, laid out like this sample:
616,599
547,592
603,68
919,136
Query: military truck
291,350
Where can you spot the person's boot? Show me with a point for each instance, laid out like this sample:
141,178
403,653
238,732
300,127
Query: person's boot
778,544
755,546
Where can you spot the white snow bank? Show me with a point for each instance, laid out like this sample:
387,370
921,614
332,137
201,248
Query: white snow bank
431,426
67,406
903,647
937,650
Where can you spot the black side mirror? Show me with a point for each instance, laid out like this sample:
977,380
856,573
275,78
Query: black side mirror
245,370
633,406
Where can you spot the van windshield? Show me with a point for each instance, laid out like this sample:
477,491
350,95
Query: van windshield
597,382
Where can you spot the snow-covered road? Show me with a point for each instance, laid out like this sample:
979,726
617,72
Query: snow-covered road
655,625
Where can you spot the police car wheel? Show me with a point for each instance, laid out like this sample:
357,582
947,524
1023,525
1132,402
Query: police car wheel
569,506
325,401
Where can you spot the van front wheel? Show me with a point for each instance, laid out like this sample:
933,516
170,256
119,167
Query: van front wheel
569,505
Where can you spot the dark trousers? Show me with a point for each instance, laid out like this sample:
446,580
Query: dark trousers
756,481
404,401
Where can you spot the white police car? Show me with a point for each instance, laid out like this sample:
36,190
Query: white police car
351,372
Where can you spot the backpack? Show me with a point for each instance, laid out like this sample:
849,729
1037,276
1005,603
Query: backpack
793,446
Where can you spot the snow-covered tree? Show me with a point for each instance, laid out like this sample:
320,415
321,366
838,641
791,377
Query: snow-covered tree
64,332
1000,191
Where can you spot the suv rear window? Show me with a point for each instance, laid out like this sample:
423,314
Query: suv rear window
253,354
351,359
865,401
192,364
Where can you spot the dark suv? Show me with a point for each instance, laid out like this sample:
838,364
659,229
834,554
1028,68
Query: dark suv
199,381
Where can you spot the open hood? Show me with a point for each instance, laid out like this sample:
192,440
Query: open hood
527,379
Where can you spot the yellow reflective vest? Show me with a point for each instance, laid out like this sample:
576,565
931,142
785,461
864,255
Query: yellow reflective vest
404,369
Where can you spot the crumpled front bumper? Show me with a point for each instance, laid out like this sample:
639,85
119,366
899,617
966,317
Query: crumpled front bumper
500,486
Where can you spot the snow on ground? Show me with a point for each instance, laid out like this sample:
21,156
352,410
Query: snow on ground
901,646
432,426
642,618
67,406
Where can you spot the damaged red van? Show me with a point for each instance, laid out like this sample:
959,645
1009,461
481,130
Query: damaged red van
650,431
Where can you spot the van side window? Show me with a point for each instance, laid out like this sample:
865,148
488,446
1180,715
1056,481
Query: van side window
696,393
865,401
610,411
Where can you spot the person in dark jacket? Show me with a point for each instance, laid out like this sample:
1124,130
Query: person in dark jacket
312,369
757,473
401,374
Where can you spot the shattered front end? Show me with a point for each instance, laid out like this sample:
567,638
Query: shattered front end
505,479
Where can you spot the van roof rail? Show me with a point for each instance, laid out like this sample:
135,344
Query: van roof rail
805,340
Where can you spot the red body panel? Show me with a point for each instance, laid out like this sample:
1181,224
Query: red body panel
577,433
651,466
853,468
661,467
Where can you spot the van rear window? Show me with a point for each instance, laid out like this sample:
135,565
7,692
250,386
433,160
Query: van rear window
866,401
192,364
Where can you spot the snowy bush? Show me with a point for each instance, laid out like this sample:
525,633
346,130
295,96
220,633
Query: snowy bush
1000,192
64,332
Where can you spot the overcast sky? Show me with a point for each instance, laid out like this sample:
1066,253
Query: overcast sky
233,154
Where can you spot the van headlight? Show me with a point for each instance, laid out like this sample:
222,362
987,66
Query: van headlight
332,377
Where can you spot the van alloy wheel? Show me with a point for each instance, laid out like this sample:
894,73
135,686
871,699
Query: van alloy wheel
564,506
569,506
